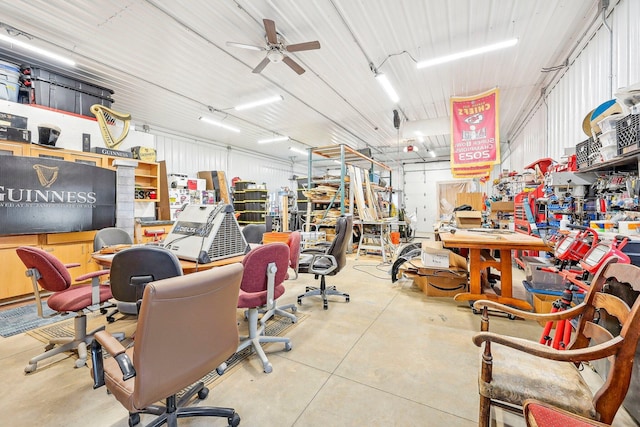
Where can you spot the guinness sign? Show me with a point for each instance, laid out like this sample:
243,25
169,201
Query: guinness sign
39,195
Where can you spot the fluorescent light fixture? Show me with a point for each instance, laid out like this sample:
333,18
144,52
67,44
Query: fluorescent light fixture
298,150
219,124
467,53
258,103
274,139
432,153
37,50
386,85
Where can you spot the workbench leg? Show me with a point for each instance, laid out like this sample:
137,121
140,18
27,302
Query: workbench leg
506,274
475,260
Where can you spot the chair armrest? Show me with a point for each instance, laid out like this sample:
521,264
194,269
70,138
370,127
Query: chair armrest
91,275
117,351
312,251
541,317
110,343
72,265
581,355
95,284
324,271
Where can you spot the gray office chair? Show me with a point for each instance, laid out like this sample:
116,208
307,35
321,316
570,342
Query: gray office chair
327,262
253,232
133,268
111,236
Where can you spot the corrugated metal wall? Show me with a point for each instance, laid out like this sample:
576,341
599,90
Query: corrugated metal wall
190,156
557,124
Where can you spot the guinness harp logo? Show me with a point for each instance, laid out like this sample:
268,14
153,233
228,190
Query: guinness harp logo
47,175
106,116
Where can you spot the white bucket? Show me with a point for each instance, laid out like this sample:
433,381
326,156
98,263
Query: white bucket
9,81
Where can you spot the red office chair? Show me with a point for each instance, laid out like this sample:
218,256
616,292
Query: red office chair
265,268
47,271
294,251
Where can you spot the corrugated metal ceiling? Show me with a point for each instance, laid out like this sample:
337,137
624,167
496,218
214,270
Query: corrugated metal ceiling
168,62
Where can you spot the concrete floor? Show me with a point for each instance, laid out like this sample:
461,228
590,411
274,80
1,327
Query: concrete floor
390,357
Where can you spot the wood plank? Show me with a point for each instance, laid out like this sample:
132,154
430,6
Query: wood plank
164,211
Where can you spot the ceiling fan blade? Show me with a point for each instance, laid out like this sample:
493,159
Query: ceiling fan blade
245,46
270,28
303,46
293,64
261,65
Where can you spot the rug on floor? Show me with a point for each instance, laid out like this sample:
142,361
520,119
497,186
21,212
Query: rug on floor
16,320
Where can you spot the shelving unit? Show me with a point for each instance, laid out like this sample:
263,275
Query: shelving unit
345,156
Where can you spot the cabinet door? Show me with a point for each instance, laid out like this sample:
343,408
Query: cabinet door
48,153
8,148
74,253
14,282
87,159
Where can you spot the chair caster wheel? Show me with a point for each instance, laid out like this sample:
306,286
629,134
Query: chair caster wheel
347,298
30,368
103,311
294,308
268,368
299,301
511,317
221,369
134,419
287,346
49,346
202,394
80,363
234,421
325,305
110,320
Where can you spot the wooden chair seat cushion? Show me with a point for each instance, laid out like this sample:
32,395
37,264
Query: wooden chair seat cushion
518,376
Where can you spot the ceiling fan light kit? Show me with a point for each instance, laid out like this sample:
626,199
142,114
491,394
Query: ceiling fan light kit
276,49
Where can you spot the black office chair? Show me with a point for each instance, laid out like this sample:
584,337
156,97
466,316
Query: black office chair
253,232
133,268
111,236
327,262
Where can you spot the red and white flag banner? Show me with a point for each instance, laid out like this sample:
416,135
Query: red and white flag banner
475,134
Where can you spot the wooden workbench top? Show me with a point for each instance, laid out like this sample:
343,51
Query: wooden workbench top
492,240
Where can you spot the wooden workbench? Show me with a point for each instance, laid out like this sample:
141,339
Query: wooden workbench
480,245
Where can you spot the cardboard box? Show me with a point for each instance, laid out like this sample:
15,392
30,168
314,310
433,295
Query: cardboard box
436,282
543,304
434,255
501,206
468,219
628,227
146,154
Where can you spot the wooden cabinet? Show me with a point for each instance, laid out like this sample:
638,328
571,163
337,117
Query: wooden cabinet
67,247
14,280
8,148
147,180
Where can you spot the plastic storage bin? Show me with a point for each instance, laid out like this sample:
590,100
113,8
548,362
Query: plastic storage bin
9,81
65,93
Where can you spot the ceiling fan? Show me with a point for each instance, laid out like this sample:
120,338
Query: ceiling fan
276,49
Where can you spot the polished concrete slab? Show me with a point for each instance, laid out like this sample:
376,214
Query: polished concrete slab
390,357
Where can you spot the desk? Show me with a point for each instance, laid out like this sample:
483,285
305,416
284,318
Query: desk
188,267
478,243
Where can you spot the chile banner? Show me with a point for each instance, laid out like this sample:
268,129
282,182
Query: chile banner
475,135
